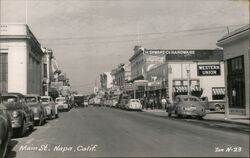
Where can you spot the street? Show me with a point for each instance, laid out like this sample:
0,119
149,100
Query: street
109,132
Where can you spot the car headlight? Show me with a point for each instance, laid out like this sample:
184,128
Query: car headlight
15,114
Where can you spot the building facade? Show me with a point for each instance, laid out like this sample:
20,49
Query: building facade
237,75
20,60
106,80
169,77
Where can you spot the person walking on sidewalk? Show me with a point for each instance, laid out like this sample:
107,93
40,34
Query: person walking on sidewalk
163,103
151,103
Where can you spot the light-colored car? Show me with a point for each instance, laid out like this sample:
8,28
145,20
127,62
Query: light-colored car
22,116
185,105
62,104
34,102
50,106
5,129
133,104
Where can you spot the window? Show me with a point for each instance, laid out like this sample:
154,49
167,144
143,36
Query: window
236,65
3,72
45,70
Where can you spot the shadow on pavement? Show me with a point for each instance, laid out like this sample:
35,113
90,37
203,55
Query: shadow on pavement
10,152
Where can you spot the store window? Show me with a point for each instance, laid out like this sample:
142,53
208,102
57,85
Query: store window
3,72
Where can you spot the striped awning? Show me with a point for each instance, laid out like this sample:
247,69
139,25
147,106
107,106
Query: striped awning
180,89
218,91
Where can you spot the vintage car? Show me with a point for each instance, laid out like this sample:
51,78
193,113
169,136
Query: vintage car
22,116
5,129
34,102
133,104
122,103
50,106
185,105
62,104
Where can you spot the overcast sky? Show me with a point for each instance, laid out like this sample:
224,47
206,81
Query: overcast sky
89,37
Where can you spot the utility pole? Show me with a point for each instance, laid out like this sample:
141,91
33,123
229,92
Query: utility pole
188,78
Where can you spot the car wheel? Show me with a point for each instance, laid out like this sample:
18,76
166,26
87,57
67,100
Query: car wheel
50,116
200,117
4,145
31,127
57,115
217,108
20,132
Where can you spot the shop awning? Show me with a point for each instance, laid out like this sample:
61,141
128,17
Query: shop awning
180,89
218,91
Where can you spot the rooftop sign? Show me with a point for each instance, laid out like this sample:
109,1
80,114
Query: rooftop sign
187,54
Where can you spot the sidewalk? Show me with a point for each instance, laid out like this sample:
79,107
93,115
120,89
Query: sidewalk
210,116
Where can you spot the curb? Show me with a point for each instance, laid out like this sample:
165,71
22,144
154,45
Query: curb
207,122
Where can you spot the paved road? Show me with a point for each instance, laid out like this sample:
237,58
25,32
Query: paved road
100,131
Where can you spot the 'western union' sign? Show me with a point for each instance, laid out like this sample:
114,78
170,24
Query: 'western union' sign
208,70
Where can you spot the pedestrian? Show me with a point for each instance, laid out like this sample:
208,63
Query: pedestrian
163,103
151,103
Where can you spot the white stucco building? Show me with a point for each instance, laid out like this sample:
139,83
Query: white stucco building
20,60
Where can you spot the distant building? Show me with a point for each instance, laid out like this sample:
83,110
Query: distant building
20,60
106,80
237,72
122,74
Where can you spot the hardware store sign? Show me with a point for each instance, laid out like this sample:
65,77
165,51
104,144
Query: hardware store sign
208,70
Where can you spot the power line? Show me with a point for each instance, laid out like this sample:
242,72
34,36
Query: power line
143,34
120,41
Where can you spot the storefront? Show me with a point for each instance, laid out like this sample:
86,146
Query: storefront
236,56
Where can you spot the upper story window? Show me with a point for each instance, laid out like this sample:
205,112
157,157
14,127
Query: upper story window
236,65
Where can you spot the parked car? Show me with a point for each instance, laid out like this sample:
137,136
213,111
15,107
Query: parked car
22,116
62,104
122,104
185,105
133,104
5,129
40,114
50,106
214,105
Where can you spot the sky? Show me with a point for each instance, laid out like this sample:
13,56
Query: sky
89,37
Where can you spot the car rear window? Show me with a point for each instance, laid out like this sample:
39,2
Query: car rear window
9,99
45,99
191,99
60,99
135,100
30,99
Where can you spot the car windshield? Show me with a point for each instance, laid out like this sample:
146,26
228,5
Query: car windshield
31,99
135,100
191,99
60,99
9,99
45,99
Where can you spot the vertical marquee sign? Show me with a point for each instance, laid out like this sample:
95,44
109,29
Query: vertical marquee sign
208,70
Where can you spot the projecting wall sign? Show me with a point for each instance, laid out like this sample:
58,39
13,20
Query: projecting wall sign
208,70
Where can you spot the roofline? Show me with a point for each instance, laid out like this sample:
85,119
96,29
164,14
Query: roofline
235,35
